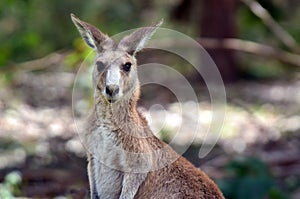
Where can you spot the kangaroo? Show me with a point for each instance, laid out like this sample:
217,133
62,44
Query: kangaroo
125,159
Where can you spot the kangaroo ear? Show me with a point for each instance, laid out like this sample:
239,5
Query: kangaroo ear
91,35
137,40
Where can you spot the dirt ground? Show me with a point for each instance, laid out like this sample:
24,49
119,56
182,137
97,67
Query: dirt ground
39,138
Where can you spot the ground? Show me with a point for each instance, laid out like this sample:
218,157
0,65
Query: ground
39,137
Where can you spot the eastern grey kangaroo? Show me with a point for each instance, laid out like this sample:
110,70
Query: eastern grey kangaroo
125,159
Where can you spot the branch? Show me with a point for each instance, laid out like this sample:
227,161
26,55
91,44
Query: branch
234,44
41,63
268,20
252,47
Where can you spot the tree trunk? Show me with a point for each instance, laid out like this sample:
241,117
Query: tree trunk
218,22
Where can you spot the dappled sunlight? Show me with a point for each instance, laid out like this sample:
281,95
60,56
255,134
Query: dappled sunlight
45,98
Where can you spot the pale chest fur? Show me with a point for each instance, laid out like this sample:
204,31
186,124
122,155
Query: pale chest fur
109,161
103,145
106,163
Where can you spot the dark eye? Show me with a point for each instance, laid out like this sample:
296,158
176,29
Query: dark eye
127,66
100,66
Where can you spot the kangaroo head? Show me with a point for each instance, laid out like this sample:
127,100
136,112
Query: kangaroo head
115,67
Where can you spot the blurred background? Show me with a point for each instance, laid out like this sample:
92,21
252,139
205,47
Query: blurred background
255,44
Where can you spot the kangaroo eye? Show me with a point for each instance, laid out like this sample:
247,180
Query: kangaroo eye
100,66
127,66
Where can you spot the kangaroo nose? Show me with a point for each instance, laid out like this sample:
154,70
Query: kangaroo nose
112,90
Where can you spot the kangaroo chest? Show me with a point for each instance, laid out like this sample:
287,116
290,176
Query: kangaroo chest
110,164
107,162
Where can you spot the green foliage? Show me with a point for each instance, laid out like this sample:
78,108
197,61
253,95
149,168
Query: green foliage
8,144
250,179
81,53
10,187
251,27
31,28
258,68
165,134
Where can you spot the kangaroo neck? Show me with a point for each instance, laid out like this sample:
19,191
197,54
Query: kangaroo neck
118,114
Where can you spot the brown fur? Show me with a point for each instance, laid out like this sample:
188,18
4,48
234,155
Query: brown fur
126,160
178,180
